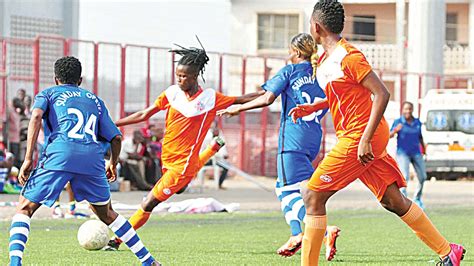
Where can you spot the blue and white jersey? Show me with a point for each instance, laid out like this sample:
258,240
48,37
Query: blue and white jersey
295,84
75,123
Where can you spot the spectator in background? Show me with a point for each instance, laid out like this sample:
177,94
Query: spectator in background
21,94
24,122
221,155
14,129
28,101
155,147
133,160
410,148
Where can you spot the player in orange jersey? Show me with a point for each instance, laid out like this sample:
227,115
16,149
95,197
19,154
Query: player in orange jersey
190,113
363,134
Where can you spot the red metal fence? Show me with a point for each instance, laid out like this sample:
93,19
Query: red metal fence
128,77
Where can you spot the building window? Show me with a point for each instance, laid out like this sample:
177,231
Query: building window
451,28
363,28
274,30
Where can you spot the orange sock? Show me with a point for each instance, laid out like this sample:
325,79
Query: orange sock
421,225
139,218
205,156
314,231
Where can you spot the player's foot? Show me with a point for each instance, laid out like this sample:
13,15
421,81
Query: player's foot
11,189
331,237
291,246
113,245
420,203
454,257
57,213
155,263
217,143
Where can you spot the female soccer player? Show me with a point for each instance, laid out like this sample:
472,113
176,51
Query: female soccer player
297,142
190,113
363,133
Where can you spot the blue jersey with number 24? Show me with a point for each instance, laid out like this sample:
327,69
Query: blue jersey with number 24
75,121
295,84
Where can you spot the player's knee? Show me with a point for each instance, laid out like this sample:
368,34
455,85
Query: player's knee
397,205
149,203
312,202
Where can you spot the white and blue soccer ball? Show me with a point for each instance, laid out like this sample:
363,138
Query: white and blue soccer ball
93,235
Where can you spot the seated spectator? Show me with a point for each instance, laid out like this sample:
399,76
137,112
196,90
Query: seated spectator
155,148
221,155
134,162
8,178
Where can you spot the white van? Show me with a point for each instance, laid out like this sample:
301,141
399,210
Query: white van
448,132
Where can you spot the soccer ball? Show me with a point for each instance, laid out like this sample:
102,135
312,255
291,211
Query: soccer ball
93,235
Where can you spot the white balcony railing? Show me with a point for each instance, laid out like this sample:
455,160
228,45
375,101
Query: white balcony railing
385,56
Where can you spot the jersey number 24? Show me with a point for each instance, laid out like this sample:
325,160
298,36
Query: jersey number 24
88,128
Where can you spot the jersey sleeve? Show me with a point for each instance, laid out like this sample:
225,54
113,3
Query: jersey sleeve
356,66
41,101
279,82
223,101
107,128
162,102
395,123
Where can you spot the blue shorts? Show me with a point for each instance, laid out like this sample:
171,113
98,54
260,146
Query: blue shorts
294,167
44,187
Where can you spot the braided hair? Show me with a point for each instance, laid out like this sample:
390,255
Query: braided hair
331,14
193,57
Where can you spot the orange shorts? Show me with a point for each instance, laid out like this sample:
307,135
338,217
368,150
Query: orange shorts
170,183
340,167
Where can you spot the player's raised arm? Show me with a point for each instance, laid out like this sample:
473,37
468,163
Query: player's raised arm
381,98
250,101
33,132
138,117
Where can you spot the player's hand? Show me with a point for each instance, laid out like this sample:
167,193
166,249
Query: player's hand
364,152
111,172
302,110
25,171
229,112
398,128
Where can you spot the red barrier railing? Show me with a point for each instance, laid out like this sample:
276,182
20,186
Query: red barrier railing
112,73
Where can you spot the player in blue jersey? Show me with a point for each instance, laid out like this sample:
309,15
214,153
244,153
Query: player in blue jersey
299,142
75,122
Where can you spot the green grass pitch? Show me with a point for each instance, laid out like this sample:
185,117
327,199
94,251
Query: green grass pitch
368,237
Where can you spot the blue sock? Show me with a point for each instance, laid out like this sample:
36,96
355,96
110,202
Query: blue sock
123,230
292,206
19,231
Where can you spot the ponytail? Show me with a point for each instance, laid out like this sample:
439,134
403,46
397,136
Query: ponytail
314,60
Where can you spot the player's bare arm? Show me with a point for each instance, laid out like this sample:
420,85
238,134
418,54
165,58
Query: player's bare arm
381,98
111,168
302,110
265,99
248,97
33,132
137,117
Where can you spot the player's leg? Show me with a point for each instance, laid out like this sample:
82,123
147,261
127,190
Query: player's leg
216,144
420,170
124,230
43,187
384,179
20,229
315,224
170,183
404,163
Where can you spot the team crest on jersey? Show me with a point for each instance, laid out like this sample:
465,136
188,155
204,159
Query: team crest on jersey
326,178
199,106
167,191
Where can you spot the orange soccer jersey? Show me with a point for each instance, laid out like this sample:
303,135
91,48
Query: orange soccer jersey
187,122
350,103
